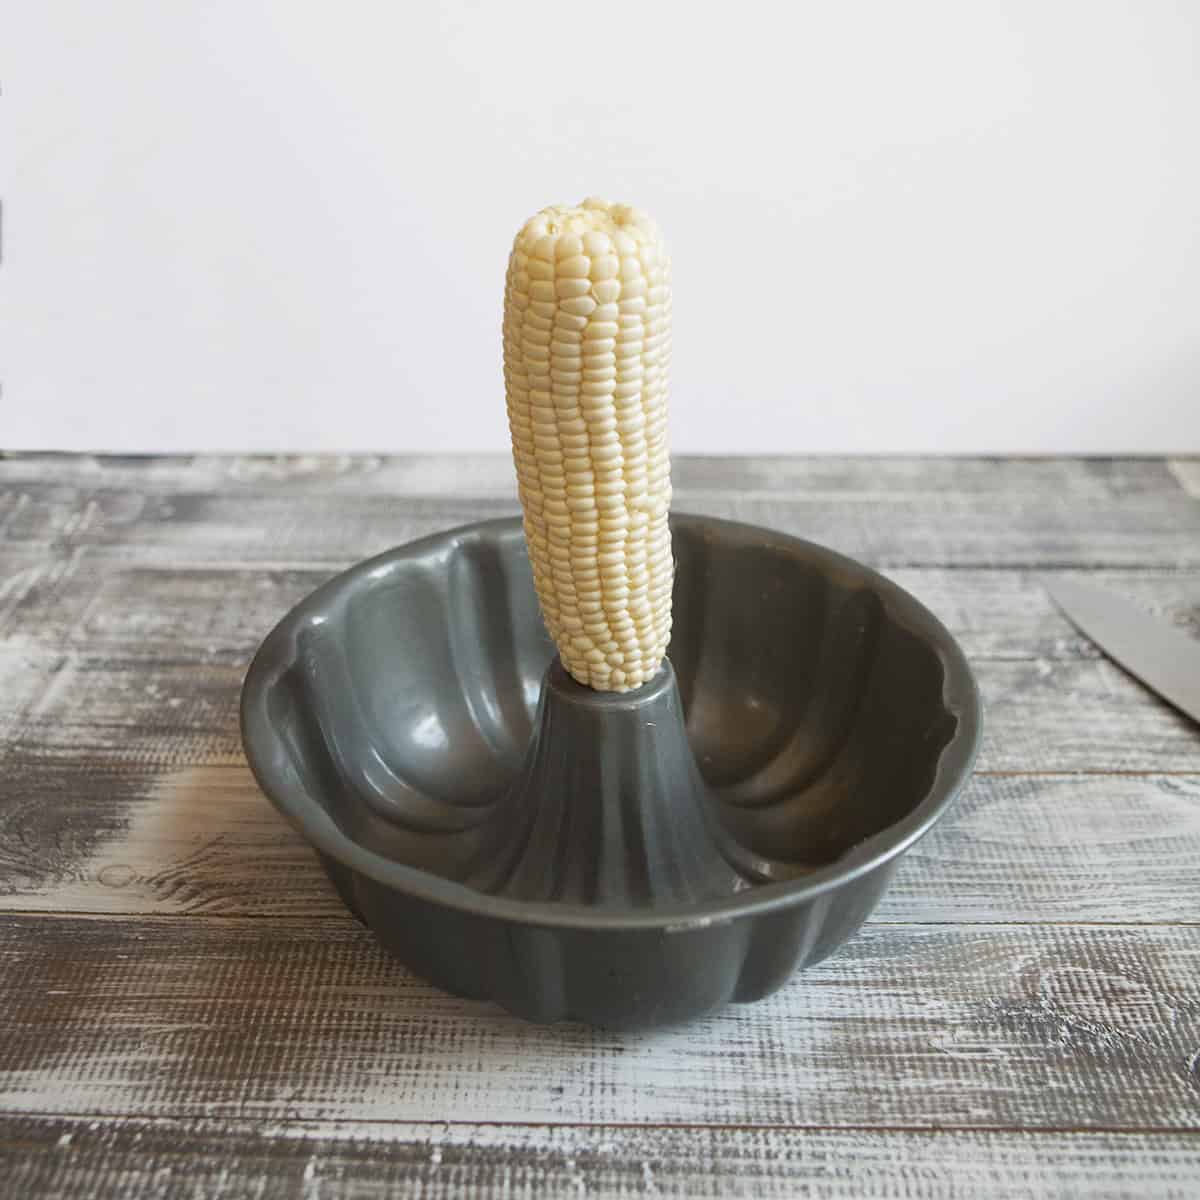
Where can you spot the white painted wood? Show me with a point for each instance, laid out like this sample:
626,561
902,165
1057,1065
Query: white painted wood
294,525
1020,1016
491,474
226,1160
1040,715
909,1026
128,840
86,602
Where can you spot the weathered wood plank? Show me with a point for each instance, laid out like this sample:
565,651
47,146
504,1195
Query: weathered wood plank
1078,716
121,839
1104,480
85,602
907,1026
1041,715
181,529
302,526
206,615
157,1160
147,660
1058,848
131,595
490,475
116,838
85,709
992,531
1009,614
22,570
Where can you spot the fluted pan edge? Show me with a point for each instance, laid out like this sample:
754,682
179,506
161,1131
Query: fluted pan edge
830,718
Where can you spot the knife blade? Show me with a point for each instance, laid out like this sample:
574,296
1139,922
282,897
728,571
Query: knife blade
1165,660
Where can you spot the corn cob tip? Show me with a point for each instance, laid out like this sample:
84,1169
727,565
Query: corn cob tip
587,327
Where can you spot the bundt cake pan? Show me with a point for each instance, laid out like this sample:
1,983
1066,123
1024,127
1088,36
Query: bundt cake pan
631,859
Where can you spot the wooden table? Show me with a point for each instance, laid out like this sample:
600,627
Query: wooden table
186,1009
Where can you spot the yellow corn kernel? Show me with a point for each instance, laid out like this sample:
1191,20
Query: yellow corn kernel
587,326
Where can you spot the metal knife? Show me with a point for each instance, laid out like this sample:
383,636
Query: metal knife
1165,660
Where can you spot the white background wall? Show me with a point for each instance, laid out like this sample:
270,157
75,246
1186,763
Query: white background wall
918,226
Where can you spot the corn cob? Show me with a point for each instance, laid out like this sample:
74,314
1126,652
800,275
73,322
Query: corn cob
587,342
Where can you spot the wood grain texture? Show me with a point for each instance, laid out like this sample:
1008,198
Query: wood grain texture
1061,848
1009,614
89,604
1040,715
129,839
1106,479
1022,1015
145,662
124,1159
907,1026
1035,514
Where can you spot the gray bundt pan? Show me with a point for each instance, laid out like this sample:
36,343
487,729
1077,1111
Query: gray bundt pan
631,859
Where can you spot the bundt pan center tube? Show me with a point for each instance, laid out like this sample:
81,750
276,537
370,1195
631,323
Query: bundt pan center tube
606,762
